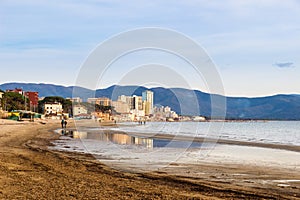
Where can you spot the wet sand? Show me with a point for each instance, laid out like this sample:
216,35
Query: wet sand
30,170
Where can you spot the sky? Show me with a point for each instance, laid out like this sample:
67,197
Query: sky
254,44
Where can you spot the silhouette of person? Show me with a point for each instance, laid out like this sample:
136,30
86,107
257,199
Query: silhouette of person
62,123
66,123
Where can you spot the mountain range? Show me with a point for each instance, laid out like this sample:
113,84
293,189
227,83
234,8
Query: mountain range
184,101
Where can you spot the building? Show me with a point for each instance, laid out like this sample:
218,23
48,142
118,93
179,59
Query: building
127,100
164,113
16,90
137,103
147,98
92,100
75,99
103,101
79,110
120,107
33,98
53,109
102,117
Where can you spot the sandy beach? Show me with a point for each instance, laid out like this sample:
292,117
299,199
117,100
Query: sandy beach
31,170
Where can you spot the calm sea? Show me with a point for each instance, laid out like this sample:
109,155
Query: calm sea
274,132
139,150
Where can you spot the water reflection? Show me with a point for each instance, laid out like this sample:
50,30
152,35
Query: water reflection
124,139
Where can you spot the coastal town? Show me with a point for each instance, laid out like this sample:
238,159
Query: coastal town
17,104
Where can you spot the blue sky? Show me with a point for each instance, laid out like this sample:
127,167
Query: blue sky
255,44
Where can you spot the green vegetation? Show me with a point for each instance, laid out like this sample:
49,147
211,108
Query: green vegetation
95,107
66,104
14,101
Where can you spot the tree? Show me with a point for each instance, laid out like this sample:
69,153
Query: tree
14,101
66,103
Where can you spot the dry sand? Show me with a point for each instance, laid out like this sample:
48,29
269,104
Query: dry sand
29,170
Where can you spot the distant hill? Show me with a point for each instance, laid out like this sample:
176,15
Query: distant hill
280,107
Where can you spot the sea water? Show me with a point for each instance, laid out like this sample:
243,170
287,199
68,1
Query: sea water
269,132
134,146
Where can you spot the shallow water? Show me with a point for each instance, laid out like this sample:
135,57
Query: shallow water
273,132
125,139
127,149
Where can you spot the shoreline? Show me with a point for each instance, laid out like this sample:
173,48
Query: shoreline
287,147
30,170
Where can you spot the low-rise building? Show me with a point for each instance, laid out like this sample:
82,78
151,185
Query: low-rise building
79,110
16,90
103,101
53,109
75,99
102,117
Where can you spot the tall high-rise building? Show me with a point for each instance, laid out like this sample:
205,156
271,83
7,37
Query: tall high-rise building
137,102
147,98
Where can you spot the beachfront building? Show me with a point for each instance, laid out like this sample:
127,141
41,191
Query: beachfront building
147,98
199,118
138,115
75,99
79,110
53,109
163,113
103,101
92,100
120,107
127,100
137,103
33,98
102,116
139,106
124,117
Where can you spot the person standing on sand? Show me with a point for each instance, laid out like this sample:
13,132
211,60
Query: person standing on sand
62,123
66,123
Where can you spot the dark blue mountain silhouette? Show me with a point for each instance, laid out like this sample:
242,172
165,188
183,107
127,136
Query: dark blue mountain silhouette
184,101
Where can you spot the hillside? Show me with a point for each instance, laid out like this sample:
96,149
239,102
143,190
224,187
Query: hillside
281,107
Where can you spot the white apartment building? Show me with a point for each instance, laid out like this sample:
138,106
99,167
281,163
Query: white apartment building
53,108
79,109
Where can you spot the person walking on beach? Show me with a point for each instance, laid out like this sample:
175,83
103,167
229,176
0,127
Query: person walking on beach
65,123
62,123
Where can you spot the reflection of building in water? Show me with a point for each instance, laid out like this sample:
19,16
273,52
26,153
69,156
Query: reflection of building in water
144,142
116,138
79,135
